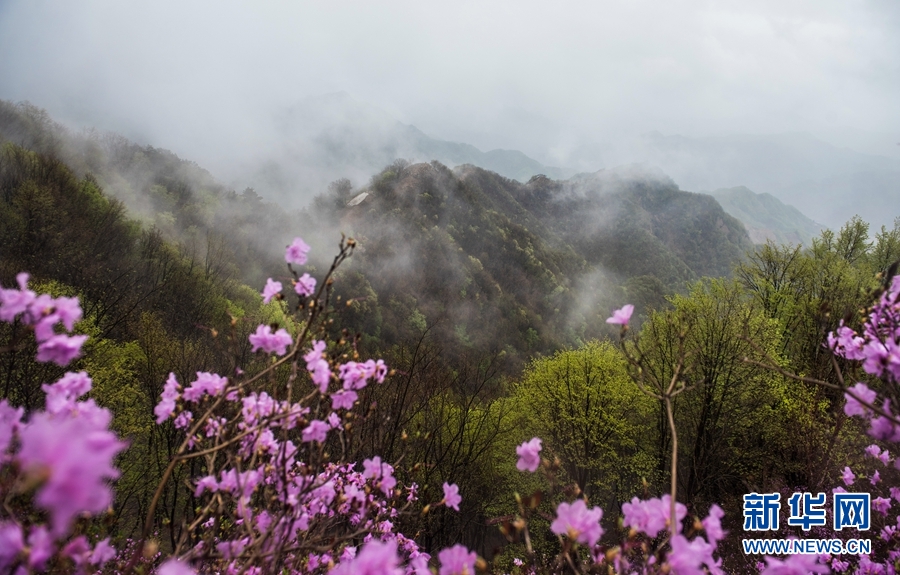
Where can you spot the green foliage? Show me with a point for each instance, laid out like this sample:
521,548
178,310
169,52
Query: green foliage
589,413
727,417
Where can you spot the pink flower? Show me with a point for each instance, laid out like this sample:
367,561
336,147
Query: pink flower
206,483
794,565
269,342
306,285
166,405
41,545
846,343
343,399
388,481
333,420
11,543
320,374
102,552
457,560
184,419
271,290
687,557
621,316
316,431
78,550
317,366
452,499
206,382
60,349
578,522
882,427
16,301
10,421
61,395
651,516
854,407
354,374
375,558
881,505
381,371
712,524
875,479
67,310
529,458
375,469
77,457
315,354
296,252
175,567
848,476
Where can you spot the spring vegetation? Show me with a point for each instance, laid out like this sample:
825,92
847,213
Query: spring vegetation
487,298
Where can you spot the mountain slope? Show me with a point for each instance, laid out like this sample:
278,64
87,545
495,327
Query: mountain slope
766,217
483,263
826,182
490,262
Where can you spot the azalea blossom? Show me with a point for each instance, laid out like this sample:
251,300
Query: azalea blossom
306,285
296,252
578,522
848,476
621,316
60,349
271,290
316,431
529,455
457,560
77,458
166,405
269,342
452,499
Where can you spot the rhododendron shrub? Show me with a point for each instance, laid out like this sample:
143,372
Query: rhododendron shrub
876,347
271,496
279,490
642,545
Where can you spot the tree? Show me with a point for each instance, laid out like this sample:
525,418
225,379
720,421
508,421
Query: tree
730,413
583,403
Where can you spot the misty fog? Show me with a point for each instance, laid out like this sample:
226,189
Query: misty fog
795,100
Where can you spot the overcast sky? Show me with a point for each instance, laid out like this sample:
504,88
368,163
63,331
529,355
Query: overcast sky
202,77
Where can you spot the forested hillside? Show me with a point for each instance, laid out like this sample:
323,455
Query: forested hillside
766,218
539,265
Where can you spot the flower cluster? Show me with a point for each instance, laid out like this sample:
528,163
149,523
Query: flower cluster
877,347
579,524
271,499
43,313
64,454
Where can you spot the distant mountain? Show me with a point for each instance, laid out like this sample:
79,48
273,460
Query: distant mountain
522,267
766,217
482,262
333,136
826,182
